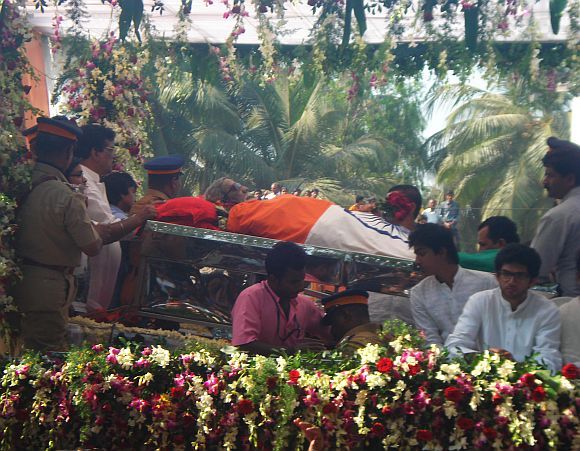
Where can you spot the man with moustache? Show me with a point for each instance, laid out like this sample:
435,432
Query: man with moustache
557,238
96,149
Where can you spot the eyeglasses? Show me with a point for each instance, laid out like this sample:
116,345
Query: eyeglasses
110,149
76,174
518,276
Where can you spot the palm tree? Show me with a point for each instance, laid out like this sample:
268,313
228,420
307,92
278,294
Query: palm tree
491,149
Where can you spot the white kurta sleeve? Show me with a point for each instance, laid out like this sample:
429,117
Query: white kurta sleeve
424,321
547,343
463,339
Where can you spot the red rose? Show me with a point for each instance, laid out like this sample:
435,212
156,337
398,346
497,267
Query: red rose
528,379
539,394
465,423
245,406
490,433
453,394
384,365
415,369
423,435
294,375
378,430
400,204
570,371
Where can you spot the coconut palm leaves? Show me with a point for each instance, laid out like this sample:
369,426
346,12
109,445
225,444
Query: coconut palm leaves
491,149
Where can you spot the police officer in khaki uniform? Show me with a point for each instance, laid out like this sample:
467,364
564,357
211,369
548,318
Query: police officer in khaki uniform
163,183
347,314
163,180
54,230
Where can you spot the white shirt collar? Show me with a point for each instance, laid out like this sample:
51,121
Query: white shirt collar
90,174
572,193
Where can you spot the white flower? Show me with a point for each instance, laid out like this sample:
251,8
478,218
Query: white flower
448,372
398,389
281,361
475,398
506,369
145,379
375,380
369,354
483,366
449,409
125,358
565,385
160,356
397,344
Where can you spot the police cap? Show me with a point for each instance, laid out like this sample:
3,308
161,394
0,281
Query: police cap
167,164
344,298
58,126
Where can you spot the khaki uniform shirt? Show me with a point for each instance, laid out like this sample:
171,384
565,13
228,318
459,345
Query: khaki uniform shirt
151,196
54,224
359,337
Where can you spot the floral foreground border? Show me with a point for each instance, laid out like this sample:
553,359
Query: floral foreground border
392,396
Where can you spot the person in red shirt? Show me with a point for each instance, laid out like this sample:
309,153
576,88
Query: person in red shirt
273,315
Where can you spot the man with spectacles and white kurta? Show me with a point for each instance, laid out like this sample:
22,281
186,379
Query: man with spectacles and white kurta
272,315
97,152
511,320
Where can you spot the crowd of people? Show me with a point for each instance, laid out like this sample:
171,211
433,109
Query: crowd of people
81,217
276,189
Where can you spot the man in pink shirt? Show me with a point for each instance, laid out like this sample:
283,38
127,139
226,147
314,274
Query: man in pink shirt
273,315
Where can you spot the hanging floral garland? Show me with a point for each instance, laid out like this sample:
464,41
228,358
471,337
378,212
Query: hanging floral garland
105,86
15,163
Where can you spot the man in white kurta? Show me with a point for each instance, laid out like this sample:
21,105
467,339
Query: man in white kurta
97,152
511,320
437,301
103,268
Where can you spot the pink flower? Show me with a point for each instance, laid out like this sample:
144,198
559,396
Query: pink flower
311,398
212,384
142,363
98,348
22,372
186,359
139,404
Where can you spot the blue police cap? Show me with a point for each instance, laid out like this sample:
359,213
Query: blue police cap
343,298
59,126
166,164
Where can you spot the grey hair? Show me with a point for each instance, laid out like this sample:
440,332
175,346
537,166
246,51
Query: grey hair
215,191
